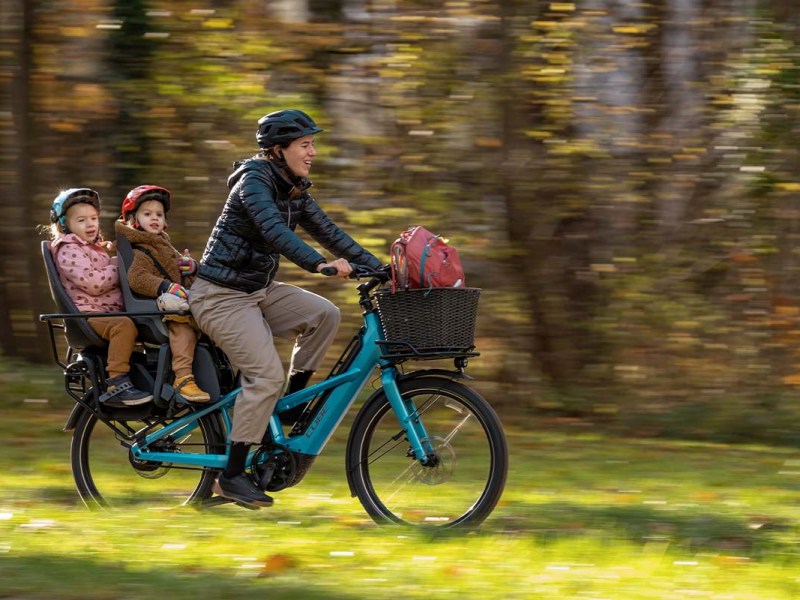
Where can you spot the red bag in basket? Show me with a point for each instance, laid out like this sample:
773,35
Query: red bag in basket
421,259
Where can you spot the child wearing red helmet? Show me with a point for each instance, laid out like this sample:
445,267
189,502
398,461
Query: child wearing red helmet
160,271
90,277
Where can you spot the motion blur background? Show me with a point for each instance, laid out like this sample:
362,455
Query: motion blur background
620,177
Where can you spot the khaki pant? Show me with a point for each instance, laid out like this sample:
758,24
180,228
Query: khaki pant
121,335
182,342
243,325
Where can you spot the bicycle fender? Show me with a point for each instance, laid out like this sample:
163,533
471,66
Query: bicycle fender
72,420
440,373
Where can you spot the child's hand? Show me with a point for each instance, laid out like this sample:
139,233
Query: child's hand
177,290
187,265
108,245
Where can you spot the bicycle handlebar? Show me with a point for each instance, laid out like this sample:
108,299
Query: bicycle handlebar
361,271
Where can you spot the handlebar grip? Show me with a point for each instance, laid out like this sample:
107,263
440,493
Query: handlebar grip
328,271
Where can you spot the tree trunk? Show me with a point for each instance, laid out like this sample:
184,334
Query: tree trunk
21,267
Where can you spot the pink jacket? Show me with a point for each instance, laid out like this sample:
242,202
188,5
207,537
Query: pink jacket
88,273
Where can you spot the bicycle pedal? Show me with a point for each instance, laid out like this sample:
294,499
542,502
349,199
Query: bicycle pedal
220,500
214,501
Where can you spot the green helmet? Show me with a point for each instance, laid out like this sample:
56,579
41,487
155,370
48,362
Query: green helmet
283,126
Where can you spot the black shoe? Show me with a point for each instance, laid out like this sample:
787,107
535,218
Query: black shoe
241,489
121,392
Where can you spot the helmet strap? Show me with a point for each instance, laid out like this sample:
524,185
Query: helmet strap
132,221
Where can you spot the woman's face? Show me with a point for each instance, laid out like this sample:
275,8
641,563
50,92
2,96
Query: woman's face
299,155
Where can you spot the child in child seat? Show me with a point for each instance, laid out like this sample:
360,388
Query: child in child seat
91,279
160,271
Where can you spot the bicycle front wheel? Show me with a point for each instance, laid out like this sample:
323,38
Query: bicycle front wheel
462,485
107,476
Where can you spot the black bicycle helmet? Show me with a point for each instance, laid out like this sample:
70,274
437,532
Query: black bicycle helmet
283,126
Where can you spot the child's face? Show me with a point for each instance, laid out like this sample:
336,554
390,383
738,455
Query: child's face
150,216
84,221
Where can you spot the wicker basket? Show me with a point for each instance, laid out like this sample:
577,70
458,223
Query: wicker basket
434,322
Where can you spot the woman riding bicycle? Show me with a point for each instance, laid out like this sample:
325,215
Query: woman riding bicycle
236,300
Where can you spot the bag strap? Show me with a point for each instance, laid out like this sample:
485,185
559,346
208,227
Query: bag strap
425,254
399,266
156,264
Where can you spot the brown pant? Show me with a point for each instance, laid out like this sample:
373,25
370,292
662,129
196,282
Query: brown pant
243,324
121,335
182,342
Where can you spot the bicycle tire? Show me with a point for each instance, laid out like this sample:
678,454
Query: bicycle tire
107,477
462,490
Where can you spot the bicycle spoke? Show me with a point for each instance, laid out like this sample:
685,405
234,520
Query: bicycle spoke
106,474
467,468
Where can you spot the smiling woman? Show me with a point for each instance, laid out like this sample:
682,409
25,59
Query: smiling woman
238,303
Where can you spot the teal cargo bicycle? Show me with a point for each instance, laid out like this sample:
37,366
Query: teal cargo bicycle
425,449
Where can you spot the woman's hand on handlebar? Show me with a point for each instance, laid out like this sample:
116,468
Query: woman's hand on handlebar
381,274
339,267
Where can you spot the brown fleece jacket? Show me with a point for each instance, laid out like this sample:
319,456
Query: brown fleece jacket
143,276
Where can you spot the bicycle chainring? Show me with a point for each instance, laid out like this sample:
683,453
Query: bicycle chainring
275,463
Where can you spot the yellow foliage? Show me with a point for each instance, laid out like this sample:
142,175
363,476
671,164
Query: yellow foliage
792,379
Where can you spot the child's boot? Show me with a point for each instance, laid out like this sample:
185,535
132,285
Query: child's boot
187,387
121,392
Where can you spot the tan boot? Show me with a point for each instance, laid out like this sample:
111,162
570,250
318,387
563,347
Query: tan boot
187,388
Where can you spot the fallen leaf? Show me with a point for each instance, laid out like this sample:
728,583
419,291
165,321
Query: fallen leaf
276,564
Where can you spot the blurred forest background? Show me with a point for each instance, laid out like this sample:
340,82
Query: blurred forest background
621,177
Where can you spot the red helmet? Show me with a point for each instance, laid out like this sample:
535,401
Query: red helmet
141,194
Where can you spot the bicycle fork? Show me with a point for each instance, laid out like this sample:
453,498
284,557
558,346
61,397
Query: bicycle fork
408,415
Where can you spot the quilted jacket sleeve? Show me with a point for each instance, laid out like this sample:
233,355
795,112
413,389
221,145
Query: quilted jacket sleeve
317,223
258,198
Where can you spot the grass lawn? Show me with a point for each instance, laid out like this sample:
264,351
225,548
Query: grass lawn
584,516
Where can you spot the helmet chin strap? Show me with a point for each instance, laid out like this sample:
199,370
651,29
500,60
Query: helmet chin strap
280,161
62,221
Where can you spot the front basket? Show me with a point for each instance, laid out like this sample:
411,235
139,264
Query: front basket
428,323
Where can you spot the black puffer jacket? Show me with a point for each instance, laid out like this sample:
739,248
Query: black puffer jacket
257,226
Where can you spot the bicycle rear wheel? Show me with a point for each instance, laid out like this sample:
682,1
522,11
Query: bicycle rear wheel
461,490
107,476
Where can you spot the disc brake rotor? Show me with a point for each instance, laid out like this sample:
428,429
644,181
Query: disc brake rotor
444,467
